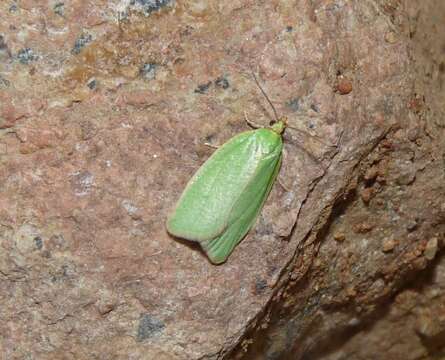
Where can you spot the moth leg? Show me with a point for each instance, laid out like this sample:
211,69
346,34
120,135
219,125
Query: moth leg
283,185
327,150
311,155
250,122
319,139
211,145
315,137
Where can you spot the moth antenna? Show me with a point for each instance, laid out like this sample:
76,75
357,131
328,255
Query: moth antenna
265,95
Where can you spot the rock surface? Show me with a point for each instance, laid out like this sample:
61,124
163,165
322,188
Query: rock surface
105,107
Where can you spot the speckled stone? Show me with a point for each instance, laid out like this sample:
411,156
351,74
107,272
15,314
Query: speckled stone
104,108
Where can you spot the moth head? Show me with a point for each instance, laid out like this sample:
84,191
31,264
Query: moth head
279,126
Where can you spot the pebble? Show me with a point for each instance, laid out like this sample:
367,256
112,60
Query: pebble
344,86
340,237
362,228
389,245
411,225
431,248
390,37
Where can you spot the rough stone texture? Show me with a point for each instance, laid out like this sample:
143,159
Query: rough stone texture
105,107
376,287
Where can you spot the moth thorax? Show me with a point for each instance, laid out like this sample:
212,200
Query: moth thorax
279,126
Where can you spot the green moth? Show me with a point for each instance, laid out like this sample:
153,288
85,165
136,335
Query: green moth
225,196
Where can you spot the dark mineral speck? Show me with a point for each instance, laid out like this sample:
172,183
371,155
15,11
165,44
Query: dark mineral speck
148,71
315,108
122,16
65,270
92,84
80,43
4,83
148,327
260,286
39,242
222,82
26,55
289,28
293,104
149,6
201,89
59,8
4,50
13,8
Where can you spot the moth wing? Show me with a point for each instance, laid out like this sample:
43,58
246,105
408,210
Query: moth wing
246,210
203,210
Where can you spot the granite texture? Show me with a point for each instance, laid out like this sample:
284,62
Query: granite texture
105,109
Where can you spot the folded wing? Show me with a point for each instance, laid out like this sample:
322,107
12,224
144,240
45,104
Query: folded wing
245,210
202,212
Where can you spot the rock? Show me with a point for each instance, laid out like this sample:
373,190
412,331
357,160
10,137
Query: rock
344,86
389,245
390,37
431,248
149,326
96,147
340,237
363,227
